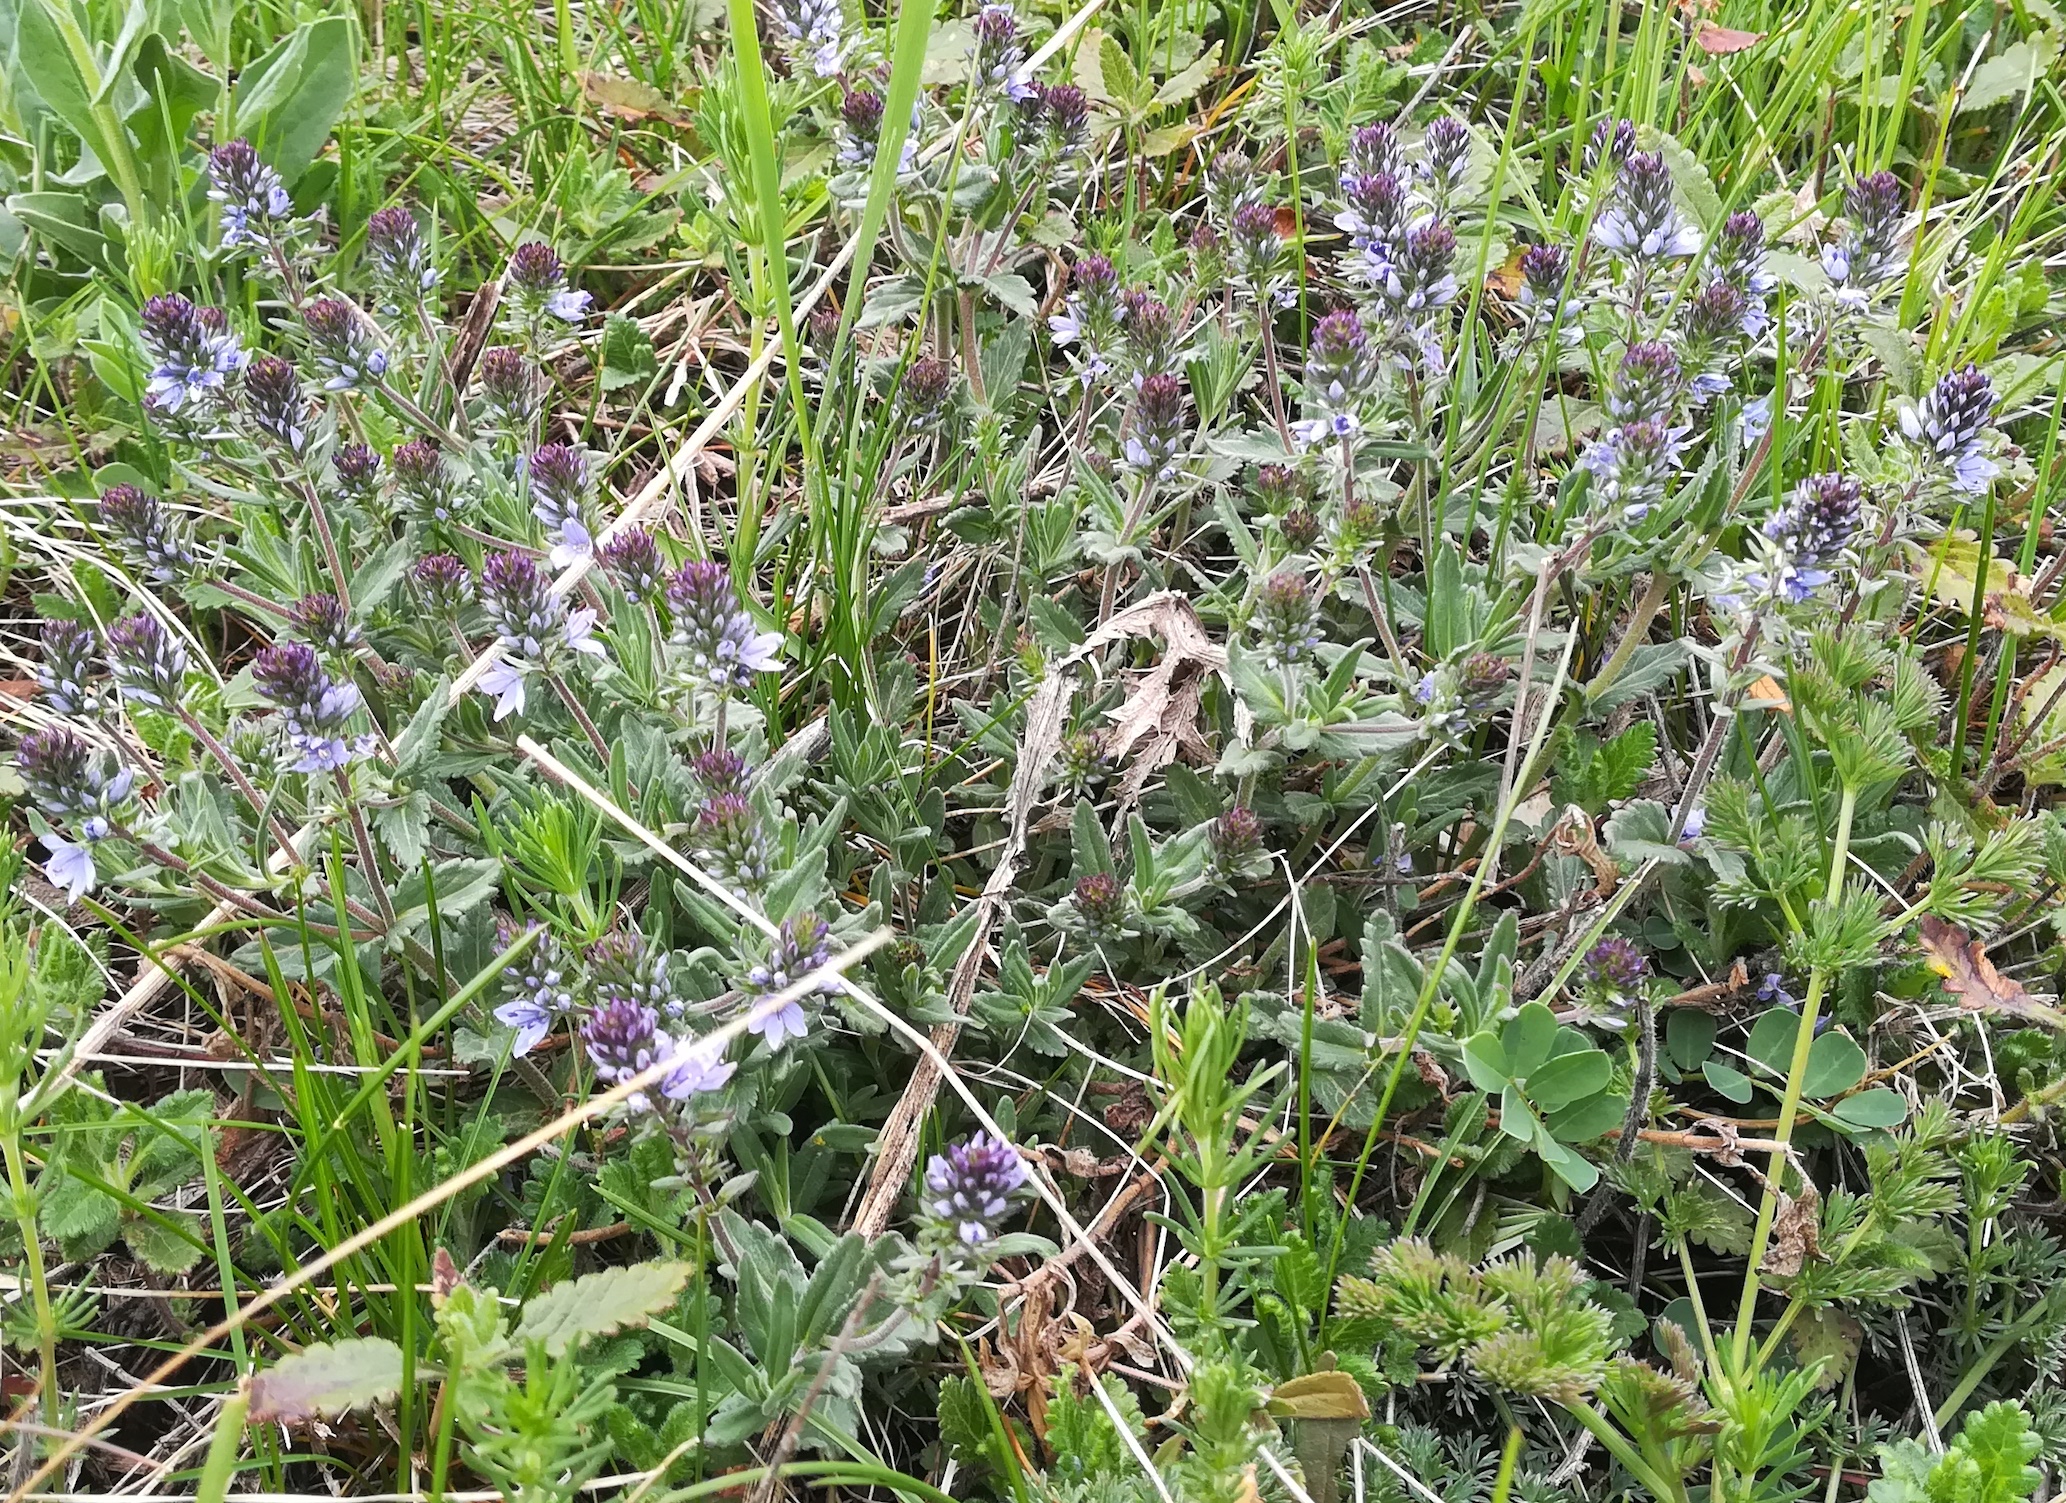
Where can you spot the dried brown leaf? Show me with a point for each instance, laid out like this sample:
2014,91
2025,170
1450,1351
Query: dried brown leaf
1796,1234
1720,41
629,99
1972,978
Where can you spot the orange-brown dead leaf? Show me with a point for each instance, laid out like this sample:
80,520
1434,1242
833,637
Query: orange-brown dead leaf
1505,279
1971,977
1720,41
1771,694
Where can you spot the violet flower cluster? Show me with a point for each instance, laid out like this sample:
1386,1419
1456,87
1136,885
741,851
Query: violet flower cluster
971,1187
715,642
314,708
82,784
533,627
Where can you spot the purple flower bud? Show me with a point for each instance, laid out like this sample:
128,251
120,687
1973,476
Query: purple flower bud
444,583
1875,205
1153,339
625,964
148,664
730,843
1301,529
559,498
1807,535
192,354
1260,258
274,402
713,634
1647,385
538,285
1341,366
1947,427
326,624
1236,837
1100,901
1376,212
1544,269
155,543
1738,254
1231,185
1867,251
342,346
1613,139
1093,313
924,395
632,558
720,770
1418,279
70,671
1157,434
520,602
1287,620
1634,463
535,269
1447,145
1641,222
1374,151
1614,965
425,482
509,385
355,469
400,259
861,111
970,1188
251,194
1093,277
623,1040
539,984
1068,117
69,778
1483,679
1279,487
997,54
821,330
1715,313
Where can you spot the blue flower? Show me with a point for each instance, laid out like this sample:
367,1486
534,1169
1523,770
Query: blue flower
504,683
70,865
694,1067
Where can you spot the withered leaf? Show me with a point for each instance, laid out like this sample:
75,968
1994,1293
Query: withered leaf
1505,279
1320,1395
1796,1234
629,99
1162,710
1720,41
1770,694
1971,977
